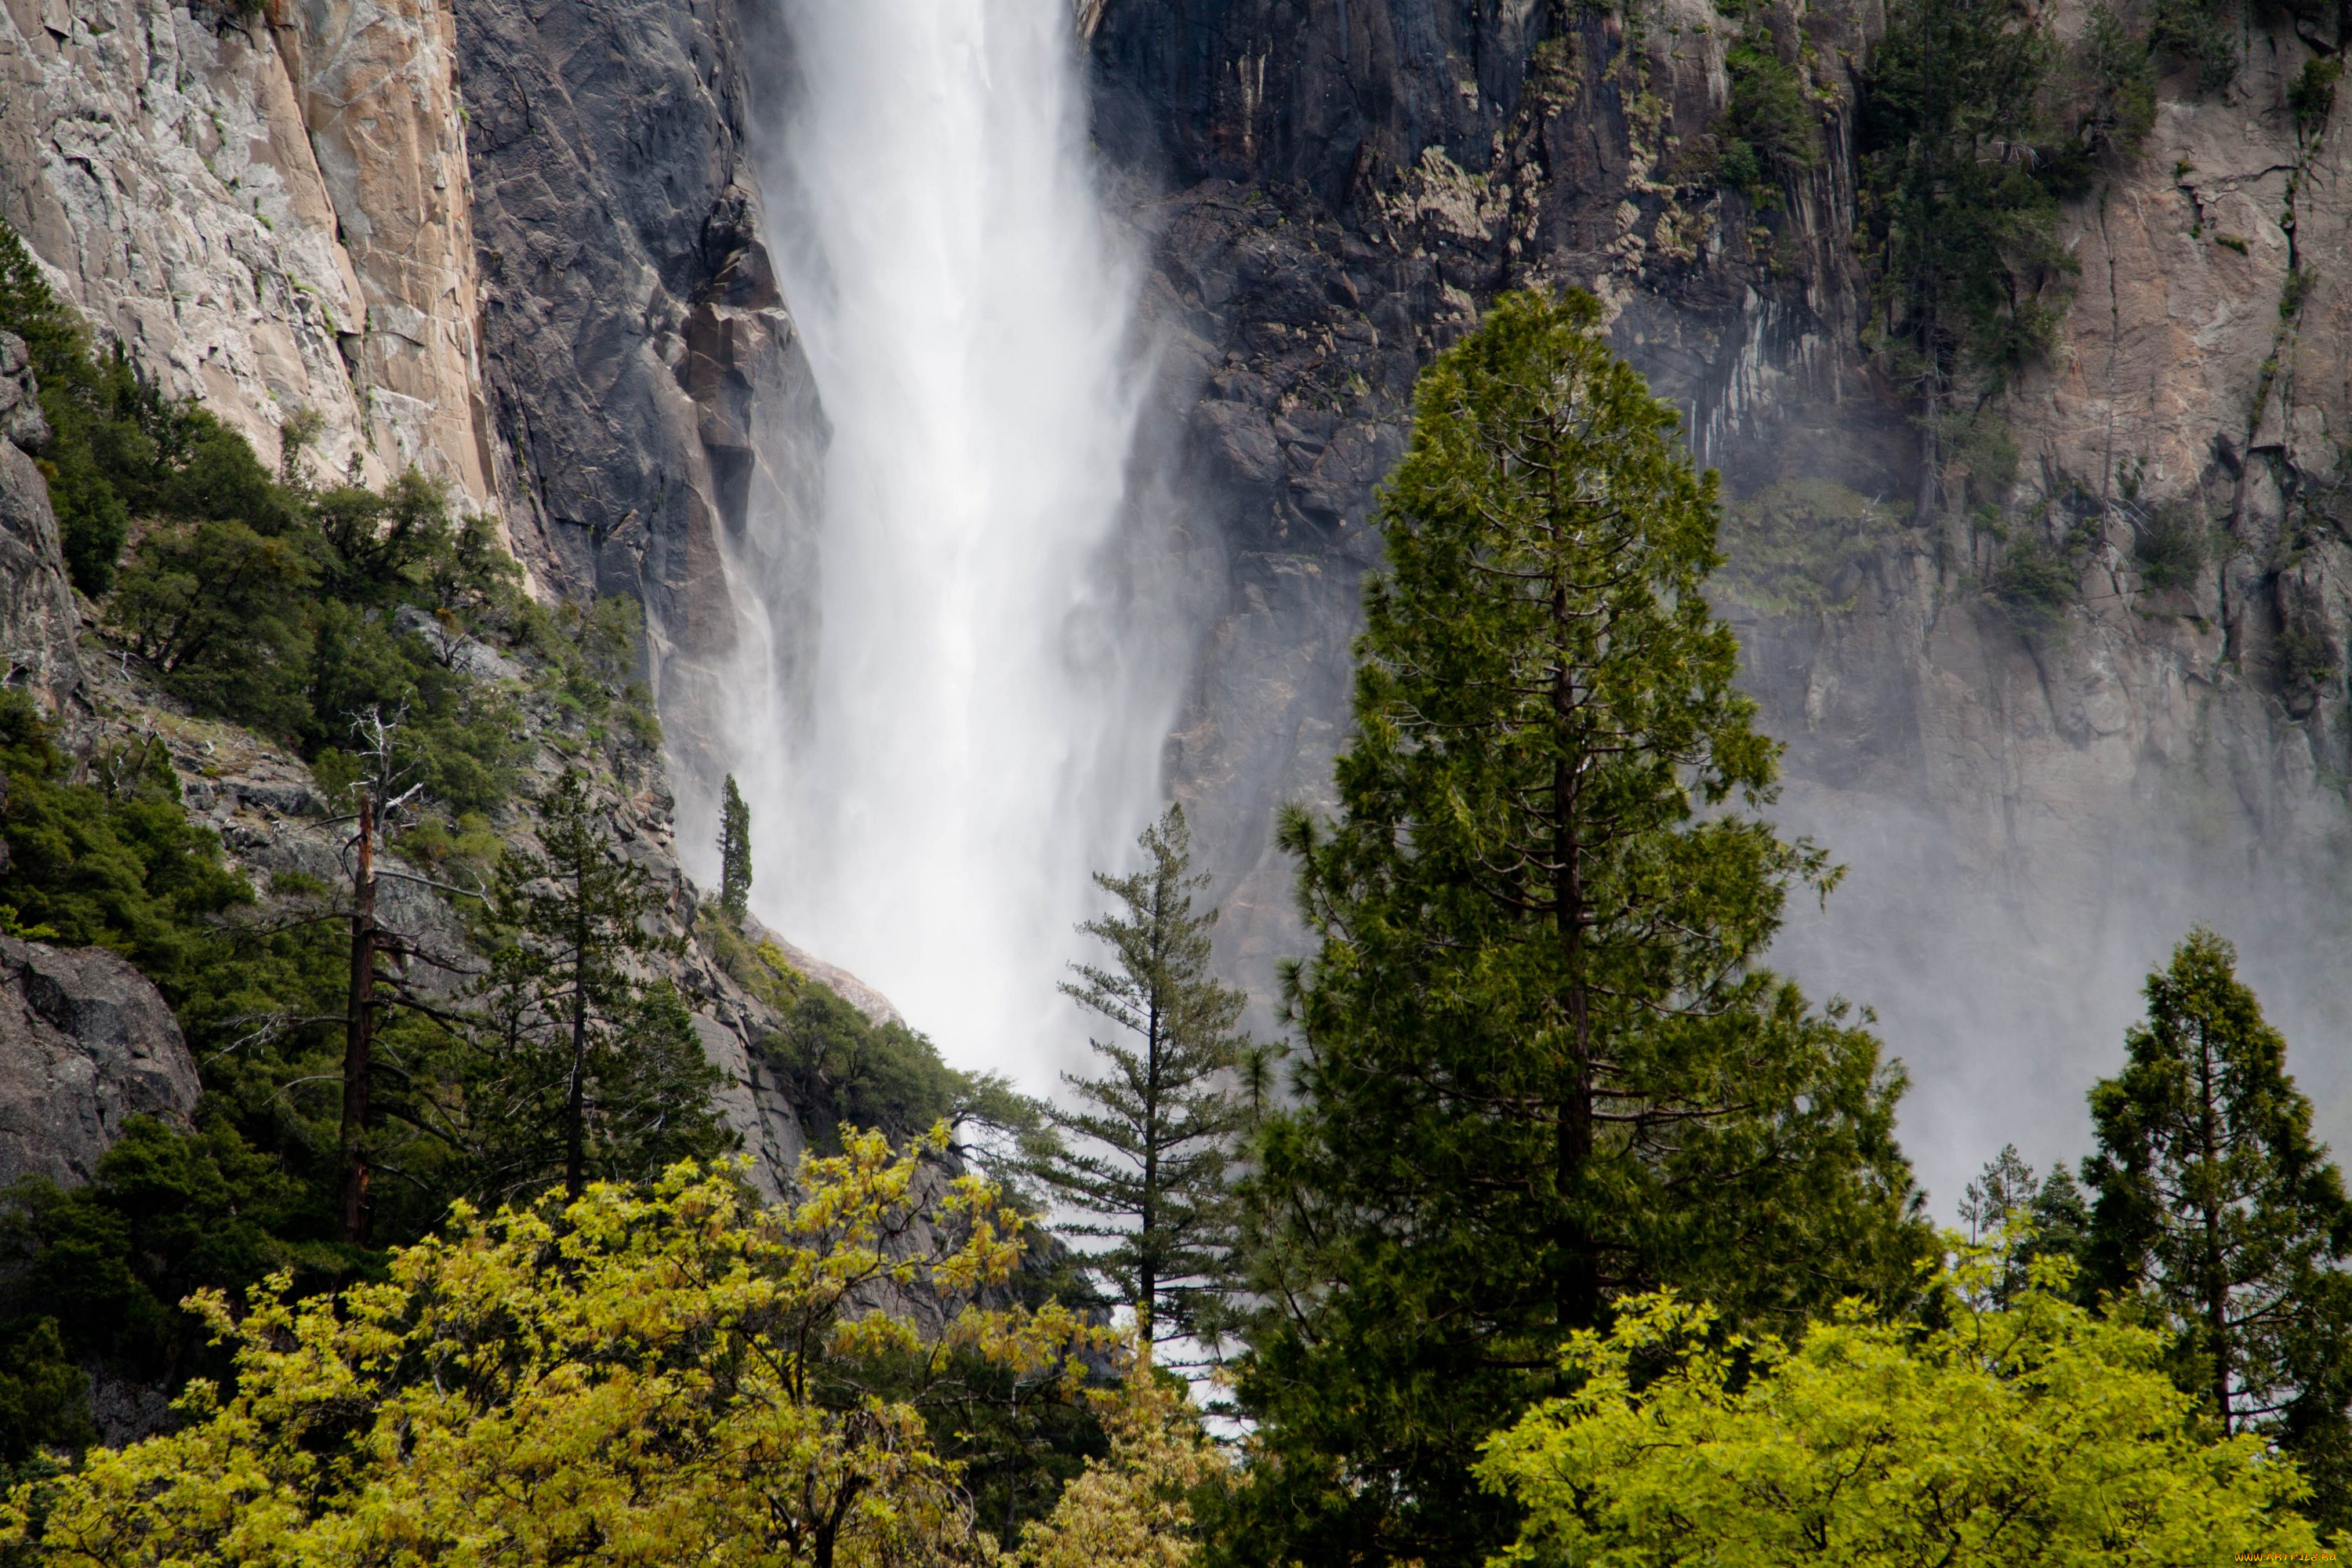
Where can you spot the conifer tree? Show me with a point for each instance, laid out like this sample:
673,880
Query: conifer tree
592,1071
1156,1131
734,853
1541,1068
2214,1203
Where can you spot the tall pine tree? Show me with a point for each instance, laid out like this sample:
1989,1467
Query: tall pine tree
2214,1203
590,1072
1541,1067
734,853
1155,1132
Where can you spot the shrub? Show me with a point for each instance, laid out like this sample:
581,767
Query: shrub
2170,548
1798,547
1768,132
2035,582
2121,110
2202,32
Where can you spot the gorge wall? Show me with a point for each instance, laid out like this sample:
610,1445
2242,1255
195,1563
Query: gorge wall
522,246
2031,810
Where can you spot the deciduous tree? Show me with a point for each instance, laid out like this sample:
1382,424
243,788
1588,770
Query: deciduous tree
2031,1433
639,1377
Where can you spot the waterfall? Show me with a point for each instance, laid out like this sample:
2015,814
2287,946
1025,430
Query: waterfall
984,697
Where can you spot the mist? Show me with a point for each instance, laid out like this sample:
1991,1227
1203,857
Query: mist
2004,959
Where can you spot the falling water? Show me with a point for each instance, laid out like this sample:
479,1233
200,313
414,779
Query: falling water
985,697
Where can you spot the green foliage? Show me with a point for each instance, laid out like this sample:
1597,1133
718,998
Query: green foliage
2119,109
2170,548
92,405
115,864
2312,96
2202,32
2035,581
844,1071
289,617
1768,133
2218,1209
2020,1221
1996,1434
1158,1131
1801,547
44,1396
257,599
644,1376
2307,659
734,853
1542,1067
1961,177
580,1068
168,1213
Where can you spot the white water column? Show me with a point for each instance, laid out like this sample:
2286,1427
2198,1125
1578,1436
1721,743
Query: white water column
989,689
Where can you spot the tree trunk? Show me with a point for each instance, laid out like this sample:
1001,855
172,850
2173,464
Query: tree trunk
575,1100
359,1033
1579,1284
2216,1282
1147,1239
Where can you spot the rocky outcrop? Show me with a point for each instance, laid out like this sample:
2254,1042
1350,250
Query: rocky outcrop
267,212
642,366
157,163
377,80
37,618
85,1044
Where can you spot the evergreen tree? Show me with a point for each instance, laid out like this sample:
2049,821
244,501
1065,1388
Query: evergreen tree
591,1071
2007,1211
1541,1067
1157,1131
734,853
1962,173
2214,1203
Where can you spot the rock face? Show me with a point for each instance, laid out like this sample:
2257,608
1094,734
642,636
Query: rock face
377,82
642,366
85,1043
2033,810
269,214
38,618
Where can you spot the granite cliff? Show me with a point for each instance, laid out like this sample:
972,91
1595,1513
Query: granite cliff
2031,808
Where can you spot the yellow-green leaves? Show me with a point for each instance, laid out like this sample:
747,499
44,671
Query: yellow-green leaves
655,1377
1134,1509
2035,1434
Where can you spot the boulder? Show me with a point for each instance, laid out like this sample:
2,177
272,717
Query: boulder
86,1043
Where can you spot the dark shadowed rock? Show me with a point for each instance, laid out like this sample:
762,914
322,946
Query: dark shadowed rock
85,1044
38,619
